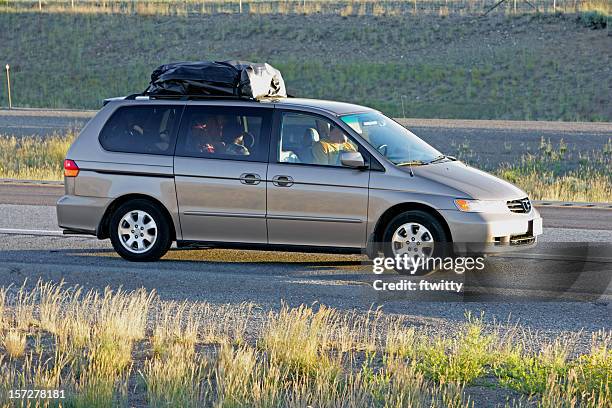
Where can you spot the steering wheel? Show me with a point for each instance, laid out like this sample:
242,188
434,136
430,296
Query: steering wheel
248,140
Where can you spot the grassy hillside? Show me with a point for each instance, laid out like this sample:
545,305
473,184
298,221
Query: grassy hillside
549,67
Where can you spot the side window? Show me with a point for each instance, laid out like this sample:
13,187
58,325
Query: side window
312,139
141,129
225,133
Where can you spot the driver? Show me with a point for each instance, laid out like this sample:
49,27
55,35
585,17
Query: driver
327,152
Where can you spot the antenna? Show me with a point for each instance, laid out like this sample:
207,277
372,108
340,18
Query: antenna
410,163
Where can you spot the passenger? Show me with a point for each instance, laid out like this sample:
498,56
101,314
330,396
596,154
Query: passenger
328,151
132,127
128,132
233,136
206,135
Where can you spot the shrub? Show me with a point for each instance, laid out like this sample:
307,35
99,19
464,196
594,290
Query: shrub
593,19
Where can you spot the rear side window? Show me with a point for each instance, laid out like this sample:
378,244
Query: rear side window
142,129
234,133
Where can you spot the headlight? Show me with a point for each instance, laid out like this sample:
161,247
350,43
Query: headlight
481,206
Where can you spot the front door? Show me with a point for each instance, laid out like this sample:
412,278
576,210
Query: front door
312,199
220,171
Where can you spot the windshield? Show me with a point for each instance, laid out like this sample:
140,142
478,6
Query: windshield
394,141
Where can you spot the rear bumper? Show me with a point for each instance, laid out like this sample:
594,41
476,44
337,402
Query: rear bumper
77,213
491,233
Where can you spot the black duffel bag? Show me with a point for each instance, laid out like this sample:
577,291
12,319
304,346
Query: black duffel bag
217,78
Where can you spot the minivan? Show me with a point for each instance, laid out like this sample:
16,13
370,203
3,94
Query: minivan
284,174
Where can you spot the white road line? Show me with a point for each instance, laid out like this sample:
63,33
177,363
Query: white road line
554,257
13,231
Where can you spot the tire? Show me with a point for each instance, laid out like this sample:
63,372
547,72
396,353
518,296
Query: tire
146,244
422,224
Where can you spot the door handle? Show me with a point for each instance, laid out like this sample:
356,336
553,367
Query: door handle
282,181
250,178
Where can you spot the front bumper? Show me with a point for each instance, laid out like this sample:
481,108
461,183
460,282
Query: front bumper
491,233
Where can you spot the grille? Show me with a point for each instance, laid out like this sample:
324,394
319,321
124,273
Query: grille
519,206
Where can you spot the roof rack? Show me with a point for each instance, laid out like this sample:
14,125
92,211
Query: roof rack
184,97
190,97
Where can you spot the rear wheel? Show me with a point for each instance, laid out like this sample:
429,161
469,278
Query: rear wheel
139,231
414,234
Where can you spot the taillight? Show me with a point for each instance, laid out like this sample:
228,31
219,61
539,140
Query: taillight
70,168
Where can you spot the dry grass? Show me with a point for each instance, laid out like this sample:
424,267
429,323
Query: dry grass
14,343
2,308
129,349
176,379
176,329
34,158
601,6
341,7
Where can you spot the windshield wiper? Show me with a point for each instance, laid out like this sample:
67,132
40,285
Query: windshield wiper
412,163
442,157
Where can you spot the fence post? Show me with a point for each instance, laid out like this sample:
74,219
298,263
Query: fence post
8,86
403,109
39,5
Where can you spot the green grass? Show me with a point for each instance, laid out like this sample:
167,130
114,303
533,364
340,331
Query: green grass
388,365
528,372
550,373
460,359
500,67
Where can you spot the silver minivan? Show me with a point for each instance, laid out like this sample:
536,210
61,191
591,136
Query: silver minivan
285,174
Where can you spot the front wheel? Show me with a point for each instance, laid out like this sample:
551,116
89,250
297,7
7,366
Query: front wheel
415,234
139,231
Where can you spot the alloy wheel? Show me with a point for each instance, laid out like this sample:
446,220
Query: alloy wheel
137,231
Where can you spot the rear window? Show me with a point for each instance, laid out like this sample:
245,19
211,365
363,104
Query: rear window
142,129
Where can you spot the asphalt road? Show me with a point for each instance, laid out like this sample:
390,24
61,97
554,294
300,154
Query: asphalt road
558,278
41,122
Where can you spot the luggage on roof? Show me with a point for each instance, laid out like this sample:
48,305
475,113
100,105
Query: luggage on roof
217,78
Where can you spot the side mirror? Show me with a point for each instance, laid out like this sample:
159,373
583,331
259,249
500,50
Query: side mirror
352,159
